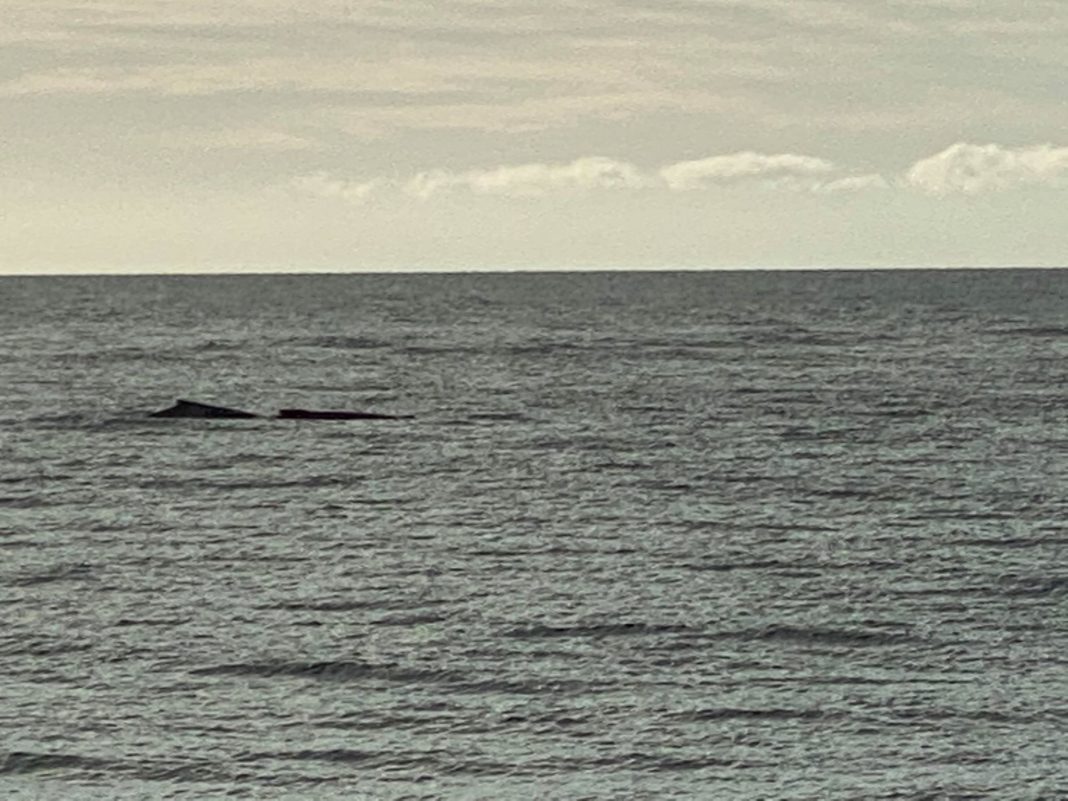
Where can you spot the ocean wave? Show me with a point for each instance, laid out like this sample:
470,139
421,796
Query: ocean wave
14,764
437,760
161,622
22,762
726,567
352,605
817,635
872,681
337,342
24,501
599,630
445,679
61,572
43,647
35,478
409,620
335,755
341,670
729,713
311,482
1042,331
1016,586
1008,542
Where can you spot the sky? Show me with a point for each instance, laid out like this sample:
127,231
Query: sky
210,135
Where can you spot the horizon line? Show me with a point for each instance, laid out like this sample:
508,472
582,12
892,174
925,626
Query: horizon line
263,270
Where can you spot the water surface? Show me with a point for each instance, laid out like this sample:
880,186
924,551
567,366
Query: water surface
704,535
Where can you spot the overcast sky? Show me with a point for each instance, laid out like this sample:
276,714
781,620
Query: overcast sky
475,134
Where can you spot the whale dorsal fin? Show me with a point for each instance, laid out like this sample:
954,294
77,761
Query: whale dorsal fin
188,408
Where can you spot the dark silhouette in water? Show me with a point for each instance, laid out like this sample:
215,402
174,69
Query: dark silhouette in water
307,414
185,408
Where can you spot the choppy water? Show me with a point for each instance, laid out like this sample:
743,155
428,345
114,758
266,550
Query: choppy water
676,536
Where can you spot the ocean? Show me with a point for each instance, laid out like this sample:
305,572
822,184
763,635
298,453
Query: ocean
707,535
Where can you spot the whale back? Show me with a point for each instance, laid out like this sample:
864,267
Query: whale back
187,408
312,414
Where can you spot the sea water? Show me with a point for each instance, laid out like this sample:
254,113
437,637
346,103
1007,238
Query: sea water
741,535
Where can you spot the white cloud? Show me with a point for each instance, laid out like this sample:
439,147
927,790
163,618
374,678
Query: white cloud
234,139
322,184
528,180
699,174
970,169
962,168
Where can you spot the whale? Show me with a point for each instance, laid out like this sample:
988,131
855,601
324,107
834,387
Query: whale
311,414
188,408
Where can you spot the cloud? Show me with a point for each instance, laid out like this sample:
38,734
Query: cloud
699,174
235,139
531,180
510,113
169,79
324,185
734,69
598,172
852,183
962,168
970,169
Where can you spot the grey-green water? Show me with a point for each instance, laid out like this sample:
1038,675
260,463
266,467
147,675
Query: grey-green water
678,536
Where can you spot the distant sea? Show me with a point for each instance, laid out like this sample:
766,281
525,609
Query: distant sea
723,535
